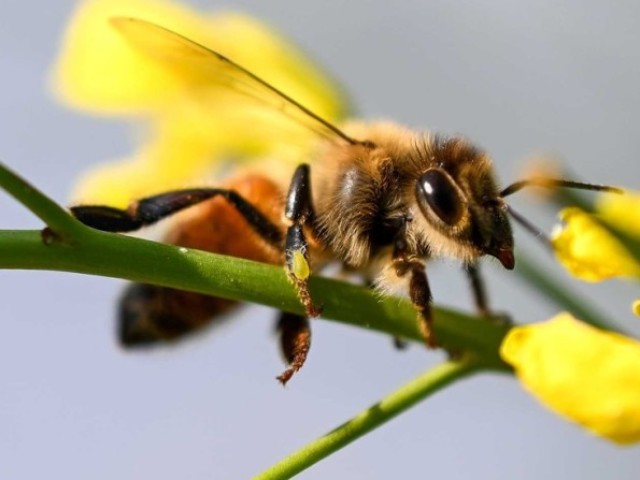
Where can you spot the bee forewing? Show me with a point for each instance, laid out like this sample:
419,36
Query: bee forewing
205,66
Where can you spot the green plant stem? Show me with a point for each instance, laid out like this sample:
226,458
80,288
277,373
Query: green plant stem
67,245
371,418
70,246
110,255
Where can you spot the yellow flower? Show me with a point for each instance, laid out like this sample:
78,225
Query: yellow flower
191,126
586,375
622,211
589,251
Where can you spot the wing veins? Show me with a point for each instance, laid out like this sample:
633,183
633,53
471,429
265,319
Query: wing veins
131,27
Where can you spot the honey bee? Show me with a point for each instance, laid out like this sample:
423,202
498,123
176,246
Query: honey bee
379,199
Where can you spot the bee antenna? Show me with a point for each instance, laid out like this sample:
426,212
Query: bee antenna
530,227
555,183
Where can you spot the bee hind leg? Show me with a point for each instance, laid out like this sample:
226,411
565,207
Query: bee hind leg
295,342
143,212
299,211
150,210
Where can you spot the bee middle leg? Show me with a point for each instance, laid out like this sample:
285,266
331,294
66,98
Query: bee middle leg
419,291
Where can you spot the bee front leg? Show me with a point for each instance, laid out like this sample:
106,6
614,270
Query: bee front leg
419,290
480,295
295,342
477,287
399,343
299,210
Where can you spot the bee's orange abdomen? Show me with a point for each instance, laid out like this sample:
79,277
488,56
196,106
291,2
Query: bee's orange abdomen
149,314
216,226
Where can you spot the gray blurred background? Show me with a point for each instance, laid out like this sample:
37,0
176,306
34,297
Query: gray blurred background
519,78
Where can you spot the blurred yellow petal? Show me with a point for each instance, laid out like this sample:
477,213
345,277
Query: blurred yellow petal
622,211
188,150
635,307
174,159
586,375
588,250
98,71
194,124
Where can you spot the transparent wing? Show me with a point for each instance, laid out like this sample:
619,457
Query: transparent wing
209,66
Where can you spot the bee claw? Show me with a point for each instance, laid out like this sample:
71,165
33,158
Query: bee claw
285,376
431,342
400,343
430,339
499,318
313,310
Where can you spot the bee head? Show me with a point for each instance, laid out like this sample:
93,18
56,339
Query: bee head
458,197
466,215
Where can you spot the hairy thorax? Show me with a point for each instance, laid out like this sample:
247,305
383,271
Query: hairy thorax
362,193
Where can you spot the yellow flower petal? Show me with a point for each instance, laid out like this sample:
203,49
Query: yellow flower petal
635,307
193,124
589,251
622,211
97,70
169,162
586,375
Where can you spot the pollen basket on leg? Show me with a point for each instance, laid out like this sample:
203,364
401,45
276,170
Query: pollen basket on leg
299,265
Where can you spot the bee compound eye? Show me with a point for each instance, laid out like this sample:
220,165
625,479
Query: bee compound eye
435,190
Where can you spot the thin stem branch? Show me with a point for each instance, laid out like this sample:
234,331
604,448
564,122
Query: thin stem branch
558,293
373,417
629,242
53,215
